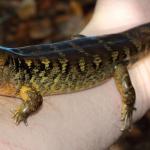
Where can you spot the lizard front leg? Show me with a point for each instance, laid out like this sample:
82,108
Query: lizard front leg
32,100
127,92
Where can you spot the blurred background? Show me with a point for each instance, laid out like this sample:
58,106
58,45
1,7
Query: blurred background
28,22
25,22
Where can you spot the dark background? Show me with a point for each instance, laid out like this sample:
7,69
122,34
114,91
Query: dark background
26,22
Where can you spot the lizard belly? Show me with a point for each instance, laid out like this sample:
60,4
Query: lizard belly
8,89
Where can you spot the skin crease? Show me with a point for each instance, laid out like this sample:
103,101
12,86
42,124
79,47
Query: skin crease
87,120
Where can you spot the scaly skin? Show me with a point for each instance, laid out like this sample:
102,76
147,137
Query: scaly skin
70,66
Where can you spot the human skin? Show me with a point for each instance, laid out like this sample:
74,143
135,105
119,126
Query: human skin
87,120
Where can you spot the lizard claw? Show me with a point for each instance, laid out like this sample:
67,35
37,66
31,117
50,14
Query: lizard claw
20,115
126,117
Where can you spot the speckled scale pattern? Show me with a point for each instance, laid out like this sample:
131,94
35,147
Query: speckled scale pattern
71,66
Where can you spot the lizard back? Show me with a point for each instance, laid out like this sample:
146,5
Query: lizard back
71,65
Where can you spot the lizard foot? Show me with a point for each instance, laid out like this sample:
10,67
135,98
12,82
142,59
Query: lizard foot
32,100
126,117
21,114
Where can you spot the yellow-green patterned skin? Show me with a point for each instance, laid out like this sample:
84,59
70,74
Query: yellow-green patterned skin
70,66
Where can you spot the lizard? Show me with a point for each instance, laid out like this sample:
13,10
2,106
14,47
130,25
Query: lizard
35,71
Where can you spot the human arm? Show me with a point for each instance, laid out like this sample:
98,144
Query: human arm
85,120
